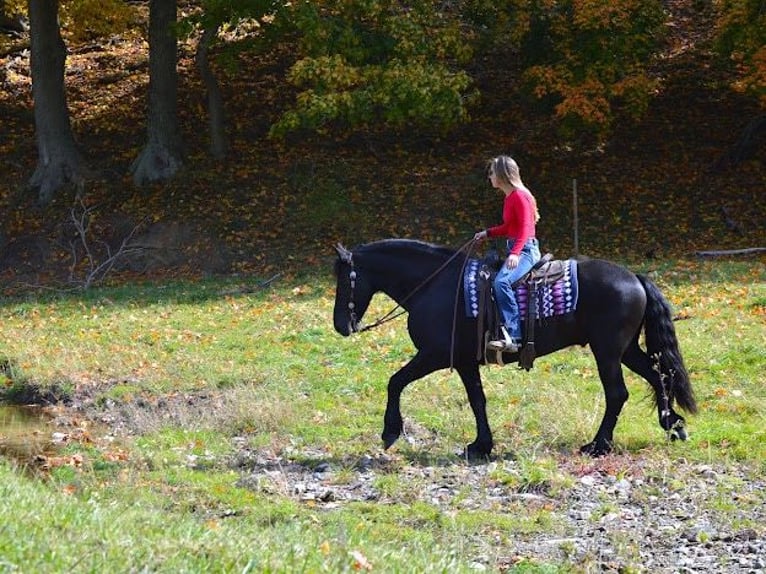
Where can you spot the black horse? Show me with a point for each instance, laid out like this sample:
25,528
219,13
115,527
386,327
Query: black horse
613,307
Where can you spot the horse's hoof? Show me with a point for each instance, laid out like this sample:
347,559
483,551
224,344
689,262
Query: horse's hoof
473,453
678,433
389,440
596,450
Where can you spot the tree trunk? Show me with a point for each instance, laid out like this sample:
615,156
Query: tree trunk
59,162
216,123
161,158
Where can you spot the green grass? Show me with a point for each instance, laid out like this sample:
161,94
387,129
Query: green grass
266,369
133,531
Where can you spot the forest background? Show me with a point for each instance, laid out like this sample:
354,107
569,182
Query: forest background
269,132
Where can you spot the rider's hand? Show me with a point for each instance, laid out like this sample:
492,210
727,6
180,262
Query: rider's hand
480,236
512,262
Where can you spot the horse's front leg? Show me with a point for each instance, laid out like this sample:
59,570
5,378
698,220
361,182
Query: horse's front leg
417,367
481,448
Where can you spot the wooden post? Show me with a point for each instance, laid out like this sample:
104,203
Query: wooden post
576,222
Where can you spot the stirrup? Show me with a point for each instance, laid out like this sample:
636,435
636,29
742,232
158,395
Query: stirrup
503,345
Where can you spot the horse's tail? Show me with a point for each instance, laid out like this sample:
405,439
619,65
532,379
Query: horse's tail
662,347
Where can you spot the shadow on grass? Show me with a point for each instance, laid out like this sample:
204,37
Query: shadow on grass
182,292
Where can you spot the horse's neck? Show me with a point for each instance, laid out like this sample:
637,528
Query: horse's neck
399,276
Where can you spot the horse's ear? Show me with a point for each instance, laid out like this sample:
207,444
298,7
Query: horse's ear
343,253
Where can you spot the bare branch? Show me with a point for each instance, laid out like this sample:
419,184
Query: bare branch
96,270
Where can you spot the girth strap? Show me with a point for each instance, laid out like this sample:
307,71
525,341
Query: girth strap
487,309
527,354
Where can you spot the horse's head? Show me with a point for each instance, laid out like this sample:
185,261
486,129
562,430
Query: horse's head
353,293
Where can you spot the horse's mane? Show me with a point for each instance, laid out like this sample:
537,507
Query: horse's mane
412,250
408,245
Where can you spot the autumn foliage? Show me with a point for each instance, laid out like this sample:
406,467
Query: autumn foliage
741,36
377,63
385,116
588,60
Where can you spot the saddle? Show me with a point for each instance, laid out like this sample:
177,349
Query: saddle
546,271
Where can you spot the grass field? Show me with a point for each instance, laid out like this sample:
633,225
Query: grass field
196,374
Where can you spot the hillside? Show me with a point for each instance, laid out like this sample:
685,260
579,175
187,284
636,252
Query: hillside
652,191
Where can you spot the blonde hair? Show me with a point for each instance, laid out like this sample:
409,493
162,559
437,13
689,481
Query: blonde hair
506,170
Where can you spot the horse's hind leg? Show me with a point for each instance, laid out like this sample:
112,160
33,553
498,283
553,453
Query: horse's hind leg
616,394
419,366
482,446
641,364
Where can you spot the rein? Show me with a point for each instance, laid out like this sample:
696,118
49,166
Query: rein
393,314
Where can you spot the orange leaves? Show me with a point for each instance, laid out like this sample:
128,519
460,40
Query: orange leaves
47,463
92,19
360,561
721,393
301,290
753,75
115,456
606,14
580,102
741,36
593,59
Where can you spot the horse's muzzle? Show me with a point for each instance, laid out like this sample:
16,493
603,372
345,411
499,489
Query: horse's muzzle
344,328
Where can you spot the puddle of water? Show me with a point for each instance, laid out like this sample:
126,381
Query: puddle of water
24,432
35,437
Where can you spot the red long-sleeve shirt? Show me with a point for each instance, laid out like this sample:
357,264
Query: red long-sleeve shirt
518,220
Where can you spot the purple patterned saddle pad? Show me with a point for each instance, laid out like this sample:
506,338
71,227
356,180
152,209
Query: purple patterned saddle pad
559,298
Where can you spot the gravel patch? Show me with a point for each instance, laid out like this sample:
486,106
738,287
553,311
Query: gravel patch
696,518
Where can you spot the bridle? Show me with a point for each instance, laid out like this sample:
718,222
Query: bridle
347,257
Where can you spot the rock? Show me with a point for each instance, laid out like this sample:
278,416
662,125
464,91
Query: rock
588,480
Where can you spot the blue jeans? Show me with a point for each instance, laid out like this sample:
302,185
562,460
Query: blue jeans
506,300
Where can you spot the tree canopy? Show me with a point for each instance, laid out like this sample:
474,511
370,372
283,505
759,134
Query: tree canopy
361,65
365,63
741,37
